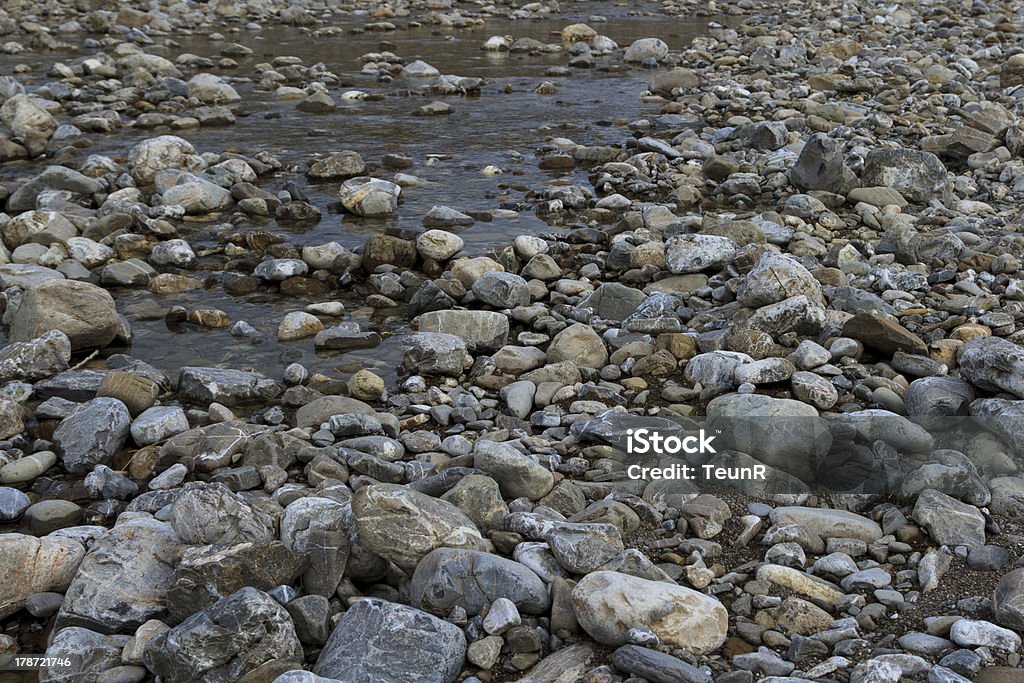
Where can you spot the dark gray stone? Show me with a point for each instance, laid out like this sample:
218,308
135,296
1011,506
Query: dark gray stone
471,579
384,642
225,641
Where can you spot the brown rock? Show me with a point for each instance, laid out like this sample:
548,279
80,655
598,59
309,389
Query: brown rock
883,334
135,391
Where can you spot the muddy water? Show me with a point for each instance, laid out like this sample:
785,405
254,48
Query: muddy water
503,126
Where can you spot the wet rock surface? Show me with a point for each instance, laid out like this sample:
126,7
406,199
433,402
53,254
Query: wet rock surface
329,330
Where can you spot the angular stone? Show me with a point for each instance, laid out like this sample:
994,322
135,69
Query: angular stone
124,579
481,330
386,642
993,364
205,514
949,521
883,334
92,434
37,359
204,386
225,641
403,526
449,577
205,574
918,176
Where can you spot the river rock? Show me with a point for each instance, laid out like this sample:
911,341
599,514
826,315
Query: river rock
435,353
205,514
918,176
36,359
52,178
779,432
480,330
35,565
645,49
655,666
883,334
82,311
449,577
389,643
92,434
13,504
371,197
208,573
211,89
79,654
776,277
949,521
502,290
609,604
820,166
439,245
149,157
1008,600
580,345
228,387
318,529
518,475
225,641
696,253
198,197
37,228
28,120
993,364
344,164
157,424
403,526
124,579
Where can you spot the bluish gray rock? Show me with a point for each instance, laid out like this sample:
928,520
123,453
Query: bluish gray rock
383,642
449,577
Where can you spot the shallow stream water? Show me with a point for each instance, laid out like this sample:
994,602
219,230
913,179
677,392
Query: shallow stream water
502,126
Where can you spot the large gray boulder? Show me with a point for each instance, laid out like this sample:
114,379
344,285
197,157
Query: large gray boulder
609,604
993,364
42,357
450,577
92,434
209,513
225,641
403,525
124,579
918,176
384,642
29,121
35,565
84,312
